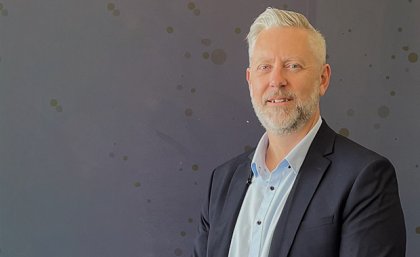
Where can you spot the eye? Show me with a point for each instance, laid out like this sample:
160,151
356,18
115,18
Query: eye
294,66
263,67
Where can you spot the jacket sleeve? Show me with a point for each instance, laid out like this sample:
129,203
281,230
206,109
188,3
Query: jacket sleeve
200,243
373,222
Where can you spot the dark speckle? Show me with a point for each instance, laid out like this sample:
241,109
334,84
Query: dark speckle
195,167
383,111
110,6
178,252
205,55
191,5
218,56
188,112
344,132
247,148
412,57
54,102
169,29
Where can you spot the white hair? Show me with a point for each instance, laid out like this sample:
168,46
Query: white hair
272,17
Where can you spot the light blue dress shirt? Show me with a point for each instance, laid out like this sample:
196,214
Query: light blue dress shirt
266,197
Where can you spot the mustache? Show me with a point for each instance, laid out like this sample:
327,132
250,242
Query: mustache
283,93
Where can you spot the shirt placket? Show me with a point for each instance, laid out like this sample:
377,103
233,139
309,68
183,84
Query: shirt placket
268,187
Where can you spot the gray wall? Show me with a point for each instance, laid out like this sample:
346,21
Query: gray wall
114,113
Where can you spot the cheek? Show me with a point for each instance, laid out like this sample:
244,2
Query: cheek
256,87
256,92
307,89
250,90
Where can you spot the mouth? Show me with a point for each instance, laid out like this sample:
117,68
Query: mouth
281,100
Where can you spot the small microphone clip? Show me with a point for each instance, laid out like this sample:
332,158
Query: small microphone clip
249,180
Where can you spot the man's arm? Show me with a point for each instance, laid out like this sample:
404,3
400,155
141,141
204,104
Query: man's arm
200,243
373,221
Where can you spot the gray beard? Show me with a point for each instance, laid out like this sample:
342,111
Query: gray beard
282,121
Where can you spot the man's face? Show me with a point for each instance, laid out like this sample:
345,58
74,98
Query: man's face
286,79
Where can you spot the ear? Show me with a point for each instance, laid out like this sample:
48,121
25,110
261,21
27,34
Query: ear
325,79
248,76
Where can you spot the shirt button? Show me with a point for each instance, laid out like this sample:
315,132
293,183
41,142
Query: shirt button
289,167
271,188
259,222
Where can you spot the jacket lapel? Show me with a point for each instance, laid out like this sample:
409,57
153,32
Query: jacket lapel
232,205
309,176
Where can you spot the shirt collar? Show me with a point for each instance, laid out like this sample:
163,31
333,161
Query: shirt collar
295,157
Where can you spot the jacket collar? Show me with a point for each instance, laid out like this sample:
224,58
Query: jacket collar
310,174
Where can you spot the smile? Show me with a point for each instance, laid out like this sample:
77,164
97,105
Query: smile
283,100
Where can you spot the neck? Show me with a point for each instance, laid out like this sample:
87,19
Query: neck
279,146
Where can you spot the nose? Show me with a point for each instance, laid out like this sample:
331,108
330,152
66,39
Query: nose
277,78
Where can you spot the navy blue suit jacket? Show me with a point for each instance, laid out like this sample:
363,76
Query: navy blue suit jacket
344,203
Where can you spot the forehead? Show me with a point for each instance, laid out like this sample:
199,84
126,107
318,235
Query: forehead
283,42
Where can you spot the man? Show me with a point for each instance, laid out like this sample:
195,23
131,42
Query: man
305,191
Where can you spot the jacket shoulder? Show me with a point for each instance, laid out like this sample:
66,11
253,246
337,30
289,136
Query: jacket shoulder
225,172
353,151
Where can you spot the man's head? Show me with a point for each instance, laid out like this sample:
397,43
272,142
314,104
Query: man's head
272,17
287,72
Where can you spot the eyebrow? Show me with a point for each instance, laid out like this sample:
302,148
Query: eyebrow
271,60
262,59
